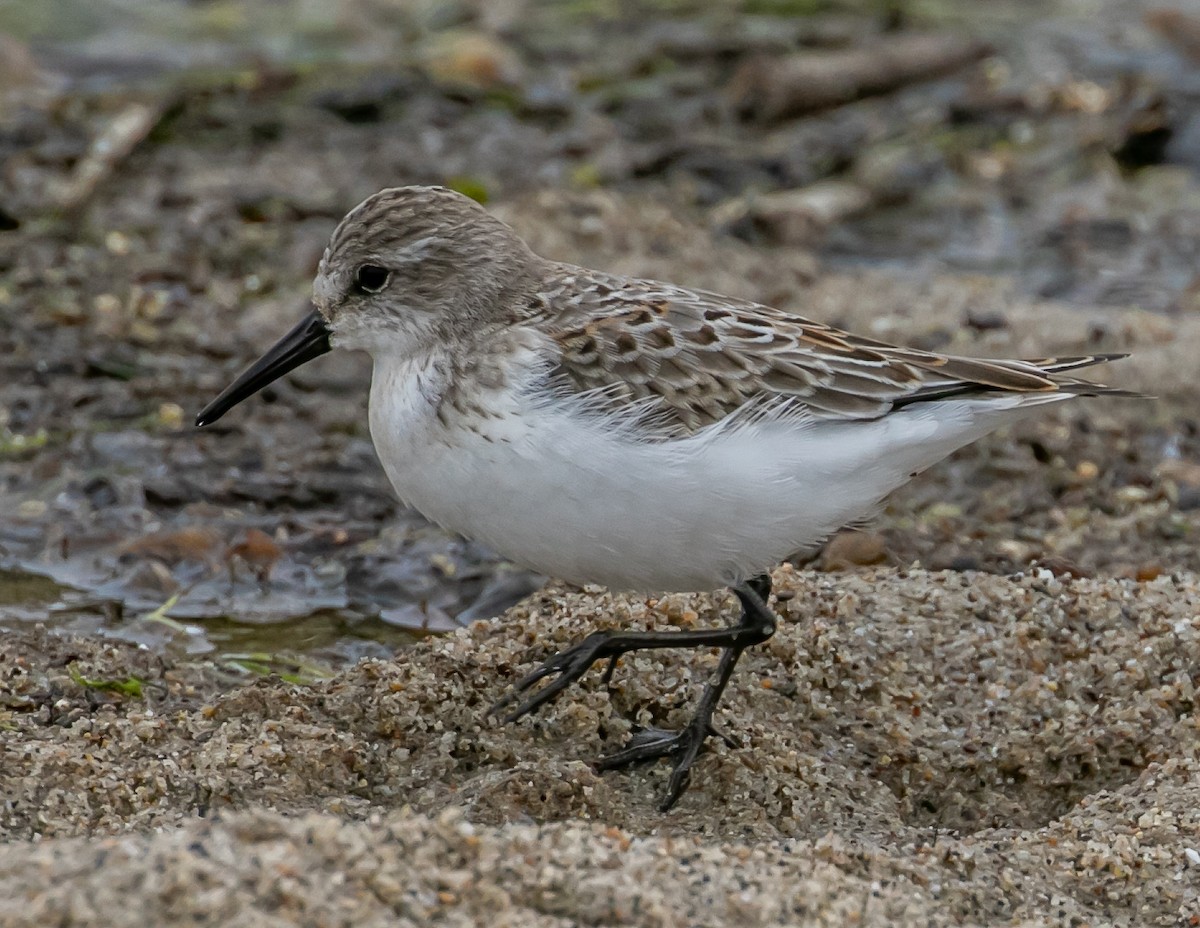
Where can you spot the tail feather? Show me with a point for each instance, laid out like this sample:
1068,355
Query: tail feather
1060,365
968,376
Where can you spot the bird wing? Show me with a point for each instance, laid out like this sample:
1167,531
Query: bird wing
698,357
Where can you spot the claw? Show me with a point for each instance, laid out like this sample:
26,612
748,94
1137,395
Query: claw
652,743
570,665
717,733
606,679
645,744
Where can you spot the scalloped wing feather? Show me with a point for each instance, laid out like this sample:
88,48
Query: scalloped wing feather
701,357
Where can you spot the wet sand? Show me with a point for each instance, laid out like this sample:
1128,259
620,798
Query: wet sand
916,748
996,725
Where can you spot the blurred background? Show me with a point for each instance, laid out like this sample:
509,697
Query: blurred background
1001,177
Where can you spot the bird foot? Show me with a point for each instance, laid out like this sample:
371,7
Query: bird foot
568,666
652,743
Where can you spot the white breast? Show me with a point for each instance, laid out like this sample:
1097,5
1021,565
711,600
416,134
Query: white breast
571,492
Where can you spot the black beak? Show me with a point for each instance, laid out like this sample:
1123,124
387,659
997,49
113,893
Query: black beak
308,340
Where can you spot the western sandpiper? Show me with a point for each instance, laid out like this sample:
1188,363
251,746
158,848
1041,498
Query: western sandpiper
629,433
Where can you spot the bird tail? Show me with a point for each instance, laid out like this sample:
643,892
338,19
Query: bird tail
975,376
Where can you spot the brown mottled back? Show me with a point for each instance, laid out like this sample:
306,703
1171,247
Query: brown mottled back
703,356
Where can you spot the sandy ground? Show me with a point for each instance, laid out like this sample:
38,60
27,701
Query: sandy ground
917,748
1012,741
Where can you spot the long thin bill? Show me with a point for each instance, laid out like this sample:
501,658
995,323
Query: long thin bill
308,340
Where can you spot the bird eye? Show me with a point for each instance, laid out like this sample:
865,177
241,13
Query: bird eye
371,278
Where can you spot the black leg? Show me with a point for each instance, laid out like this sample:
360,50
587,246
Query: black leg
756,625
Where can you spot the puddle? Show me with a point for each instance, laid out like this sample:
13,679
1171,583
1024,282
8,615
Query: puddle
292,637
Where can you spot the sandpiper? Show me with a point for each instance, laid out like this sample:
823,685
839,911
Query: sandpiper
630,433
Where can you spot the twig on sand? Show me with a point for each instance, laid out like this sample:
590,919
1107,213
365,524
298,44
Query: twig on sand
116,142
771,88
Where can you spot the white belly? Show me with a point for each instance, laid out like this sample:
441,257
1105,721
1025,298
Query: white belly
570,495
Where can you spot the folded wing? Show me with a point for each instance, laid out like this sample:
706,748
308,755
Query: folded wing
699,357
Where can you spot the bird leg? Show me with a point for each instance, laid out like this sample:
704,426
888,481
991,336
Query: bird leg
756,625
